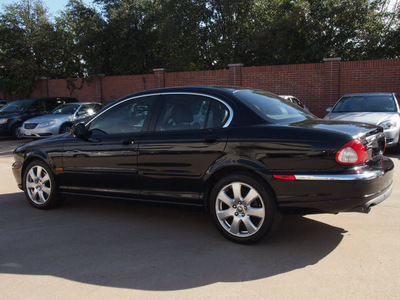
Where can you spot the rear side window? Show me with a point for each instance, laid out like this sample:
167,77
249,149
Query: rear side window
188,112
272,108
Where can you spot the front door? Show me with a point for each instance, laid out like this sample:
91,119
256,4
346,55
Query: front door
106,162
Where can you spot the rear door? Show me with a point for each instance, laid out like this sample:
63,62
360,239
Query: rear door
185,140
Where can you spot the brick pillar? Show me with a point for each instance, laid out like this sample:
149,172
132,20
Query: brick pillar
44,84
159,77
331,79
98,85
235,74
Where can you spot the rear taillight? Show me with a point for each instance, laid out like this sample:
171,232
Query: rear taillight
352,153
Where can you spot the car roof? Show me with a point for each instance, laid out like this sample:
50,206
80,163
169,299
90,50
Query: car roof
81,103
368,94
227,91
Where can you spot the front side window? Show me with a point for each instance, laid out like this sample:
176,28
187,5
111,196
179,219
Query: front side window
188,112
126,117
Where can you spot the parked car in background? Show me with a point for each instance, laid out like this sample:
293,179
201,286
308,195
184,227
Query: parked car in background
60,120
13,114
2,102
374,108
244,155
294,100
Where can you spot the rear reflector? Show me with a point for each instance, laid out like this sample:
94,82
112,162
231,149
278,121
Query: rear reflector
285,177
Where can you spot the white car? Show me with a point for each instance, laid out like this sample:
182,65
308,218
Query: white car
60,120
372,108
294,100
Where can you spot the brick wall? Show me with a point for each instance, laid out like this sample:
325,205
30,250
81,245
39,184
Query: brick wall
318,85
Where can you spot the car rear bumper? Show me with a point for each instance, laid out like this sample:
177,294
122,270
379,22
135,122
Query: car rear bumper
351,192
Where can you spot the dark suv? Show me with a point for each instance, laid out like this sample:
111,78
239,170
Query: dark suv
13,114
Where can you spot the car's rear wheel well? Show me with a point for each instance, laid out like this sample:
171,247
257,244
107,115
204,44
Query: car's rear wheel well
217,176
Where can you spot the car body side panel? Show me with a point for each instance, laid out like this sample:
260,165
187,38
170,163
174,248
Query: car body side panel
106,165
171,165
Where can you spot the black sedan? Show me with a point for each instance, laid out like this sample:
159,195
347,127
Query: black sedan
244,155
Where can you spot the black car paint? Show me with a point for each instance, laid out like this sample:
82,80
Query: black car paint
181,167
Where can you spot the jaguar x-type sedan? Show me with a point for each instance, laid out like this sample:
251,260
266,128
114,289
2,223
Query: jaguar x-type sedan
244,155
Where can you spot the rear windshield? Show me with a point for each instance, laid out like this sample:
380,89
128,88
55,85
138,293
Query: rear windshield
272,108
366,103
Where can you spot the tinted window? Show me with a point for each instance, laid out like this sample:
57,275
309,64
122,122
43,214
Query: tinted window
125,117
218,115
366,103
273,108
38,107
183,112
16,106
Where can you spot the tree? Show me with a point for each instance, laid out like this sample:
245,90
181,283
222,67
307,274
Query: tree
82,29
30,47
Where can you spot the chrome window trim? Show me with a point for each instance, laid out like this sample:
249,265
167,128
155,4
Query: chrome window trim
227,123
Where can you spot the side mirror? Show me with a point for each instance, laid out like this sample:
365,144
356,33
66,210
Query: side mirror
79,130
329,109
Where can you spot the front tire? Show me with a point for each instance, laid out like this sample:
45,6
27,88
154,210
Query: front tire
15,131
243,210
65,128
40,186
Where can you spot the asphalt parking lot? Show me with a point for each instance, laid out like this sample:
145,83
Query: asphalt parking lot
99,249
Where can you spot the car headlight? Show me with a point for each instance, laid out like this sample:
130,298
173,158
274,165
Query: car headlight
47,124
388,125
3,121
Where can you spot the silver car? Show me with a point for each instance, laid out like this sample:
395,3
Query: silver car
373,108
60,120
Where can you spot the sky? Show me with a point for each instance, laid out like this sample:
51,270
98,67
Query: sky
54,6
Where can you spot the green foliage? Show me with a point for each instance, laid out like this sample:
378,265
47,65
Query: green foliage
118,37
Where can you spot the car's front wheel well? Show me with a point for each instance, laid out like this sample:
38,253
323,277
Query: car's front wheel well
28,161
65,127
218,175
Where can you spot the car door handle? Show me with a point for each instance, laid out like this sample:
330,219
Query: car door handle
211,140
128,142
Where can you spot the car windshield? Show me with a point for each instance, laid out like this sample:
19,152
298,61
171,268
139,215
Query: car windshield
16,106
65,109
272,108
365,103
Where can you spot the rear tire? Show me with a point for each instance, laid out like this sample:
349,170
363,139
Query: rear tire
243,209
40,186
